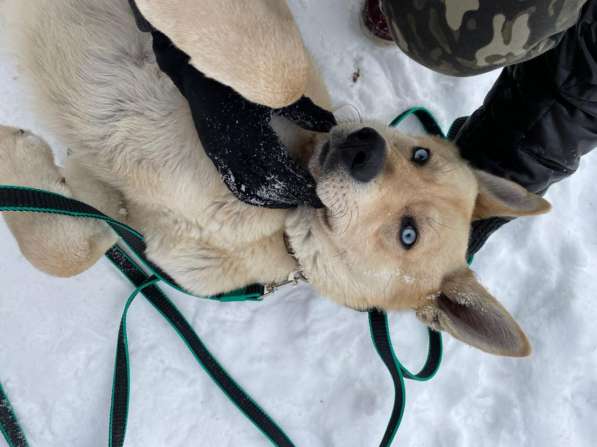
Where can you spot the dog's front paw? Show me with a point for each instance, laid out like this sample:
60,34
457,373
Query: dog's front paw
27,160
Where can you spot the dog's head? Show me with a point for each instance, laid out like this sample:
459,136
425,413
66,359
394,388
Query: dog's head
395,230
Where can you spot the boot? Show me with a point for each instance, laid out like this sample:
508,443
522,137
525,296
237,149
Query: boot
375,21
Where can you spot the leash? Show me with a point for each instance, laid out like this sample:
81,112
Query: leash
9,424
120,395
21,199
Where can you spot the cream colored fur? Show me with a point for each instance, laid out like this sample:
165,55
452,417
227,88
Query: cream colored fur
61,246
254,46
135,155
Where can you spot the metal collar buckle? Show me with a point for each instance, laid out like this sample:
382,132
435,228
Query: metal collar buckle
293,279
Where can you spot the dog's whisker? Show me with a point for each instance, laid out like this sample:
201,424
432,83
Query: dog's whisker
431,222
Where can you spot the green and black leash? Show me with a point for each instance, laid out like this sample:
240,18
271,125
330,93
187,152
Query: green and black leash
14,198
9,424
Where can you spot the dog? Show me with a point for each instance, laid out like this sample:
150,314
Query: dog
398,209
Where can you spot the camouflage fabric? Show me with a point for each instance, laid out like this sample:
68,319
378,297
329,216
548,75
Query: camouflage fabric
468,37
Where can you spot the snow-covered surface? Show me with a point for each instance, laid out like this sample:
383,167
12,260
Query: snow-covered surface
310,362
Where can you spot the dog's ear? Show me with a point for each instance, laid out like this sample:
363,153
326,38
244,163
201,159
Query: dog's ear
466,310
499,197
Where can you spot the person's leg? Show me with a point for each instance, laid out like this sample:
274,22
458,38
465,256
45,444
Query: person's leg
541,115
539,118
467,37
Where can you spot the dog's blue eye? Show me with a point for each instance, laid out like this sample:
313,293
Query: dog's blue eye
421,155
408,233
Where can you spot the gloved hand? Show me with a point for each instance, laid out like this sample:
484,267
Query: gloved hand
236,133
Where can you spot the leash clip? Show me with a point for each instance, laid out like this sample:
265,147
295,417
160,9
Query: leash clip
294,278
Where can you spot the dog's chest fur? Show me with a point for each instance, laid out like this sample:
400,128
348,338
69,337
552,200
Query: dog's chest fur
126,124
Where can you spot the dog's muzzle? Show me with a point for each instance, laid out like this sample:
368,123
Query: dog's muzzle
361,154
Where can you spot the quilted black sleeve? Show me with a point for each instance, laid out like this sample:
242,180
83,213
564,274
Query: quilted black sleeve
539,118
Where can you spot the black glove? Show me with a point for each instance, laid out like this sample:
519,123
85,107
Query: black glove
237,136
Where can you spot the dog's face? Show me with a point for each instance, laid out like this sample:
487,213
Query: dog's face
395,229
396,217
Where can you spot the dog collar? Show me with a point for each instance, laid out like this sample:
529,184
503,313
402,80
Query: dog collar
294,278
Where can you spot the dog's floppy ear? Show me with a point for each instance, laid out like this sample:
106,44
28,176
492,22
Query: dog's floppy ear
466,310
499,197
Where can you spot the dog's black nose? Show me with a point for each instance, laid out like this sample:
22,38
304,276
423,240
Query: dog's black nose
363,153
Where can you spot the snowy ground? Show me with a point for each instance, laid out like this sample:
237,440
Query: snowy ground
308,361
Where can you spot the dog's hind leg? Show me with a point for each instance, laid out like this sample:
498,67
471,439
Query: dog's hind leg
58,245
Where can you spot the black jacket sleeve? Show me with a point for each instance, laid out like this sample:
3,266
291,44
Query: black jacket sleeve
540,116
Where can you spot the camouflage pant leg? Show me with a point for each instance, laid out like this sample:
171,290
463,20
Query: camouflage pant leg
468,37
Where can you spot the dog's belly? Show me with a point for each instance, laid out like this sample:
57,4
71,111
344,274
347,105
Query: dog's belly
98,87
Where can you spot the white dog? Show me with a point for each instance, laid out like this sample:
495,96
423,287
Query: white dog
395,238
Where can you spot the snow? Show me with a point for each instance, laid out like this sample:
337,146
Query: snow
309,362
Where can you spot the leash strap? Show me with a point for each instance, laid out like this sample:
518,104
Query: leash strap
16,198
9,424
31,200
120,396
380,334
22,199
424,116
379,325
